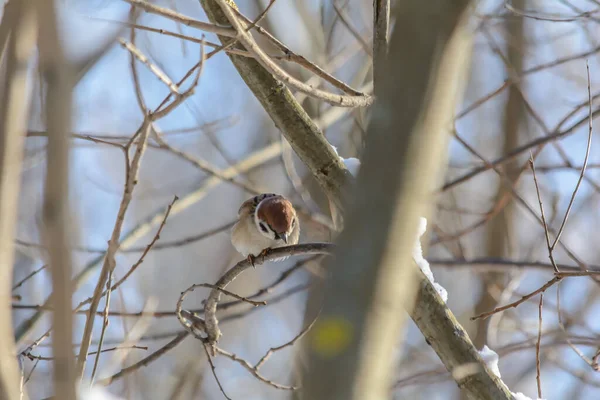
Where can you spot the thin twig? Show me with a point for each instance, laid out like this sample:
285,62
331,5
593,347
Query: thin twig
523,299
300,60
36,343
343,18
91,353
545,225
226,292
261,16
152,67
204,166
145,361
561,325
556,134
31,275
517,196
497,264
133,15
585,160
161,111
149,246
212,324
537,348
30,373
361,100
272,350
540,17
175,16
133,335
253,370
104,326
214,372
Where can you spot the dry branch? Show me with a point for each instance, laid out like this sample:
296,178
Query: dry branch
452,344
114,243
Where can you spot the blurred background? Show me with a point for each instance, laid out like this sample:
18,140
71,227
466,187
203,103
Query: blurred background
527,81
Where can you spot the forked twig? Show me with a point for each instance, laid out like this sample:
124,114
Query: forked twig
152,67
544,224
585,160
523,299
253,370
272,350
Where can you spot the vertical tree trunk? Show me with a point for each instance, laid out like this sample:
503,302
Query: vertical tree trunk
501,227
373,278
22,28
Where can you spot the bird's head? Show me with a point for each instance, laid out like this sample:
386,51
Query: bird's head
276,218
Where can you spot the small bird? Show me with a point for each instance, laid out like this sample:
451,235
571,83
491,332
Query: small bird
265,221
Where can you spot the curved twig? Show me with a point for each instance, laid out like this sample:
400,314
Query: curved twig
210,309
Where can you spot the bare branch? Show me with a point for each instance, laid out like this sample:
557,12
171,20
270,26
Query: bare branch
165,12
113,245
210,308
253,370
272,67
523,299
585,160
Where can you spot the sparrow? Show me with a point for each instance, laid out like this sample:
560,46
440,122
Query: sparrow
265,221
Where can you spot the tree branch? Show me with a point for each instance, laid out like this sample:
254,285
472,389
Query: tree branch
288,115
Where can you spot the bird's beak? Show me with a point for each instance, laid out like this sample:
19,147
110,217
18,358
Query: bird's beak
284,237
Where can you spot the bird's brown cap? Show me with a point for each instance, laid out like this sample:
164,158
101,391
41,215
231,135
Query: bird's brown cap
278,212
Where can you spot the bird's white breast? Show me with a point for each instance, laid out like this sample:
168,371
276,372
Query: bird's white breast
247,240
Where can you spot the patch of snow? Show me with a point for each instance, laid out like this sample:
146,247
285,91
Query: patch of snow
521,396
491,359
422,262
86,392
353,164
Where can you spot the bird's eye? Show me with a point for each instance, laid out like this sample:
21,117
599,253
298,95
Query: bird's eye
263,227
